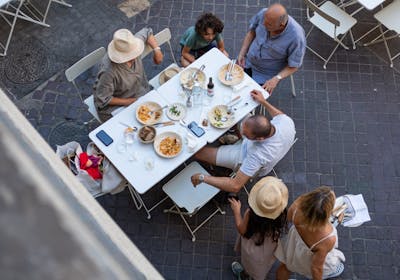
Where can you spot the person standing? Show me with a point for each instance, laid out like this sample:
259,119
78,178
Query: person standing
273,48
261,226
310,248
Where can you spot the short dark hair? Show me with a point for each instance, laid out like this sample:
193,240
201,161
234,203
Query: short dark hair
259,125
262,228
208,20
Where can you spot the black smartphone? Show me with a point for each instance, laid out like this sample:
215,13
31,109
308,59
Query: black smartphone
197,130
104,137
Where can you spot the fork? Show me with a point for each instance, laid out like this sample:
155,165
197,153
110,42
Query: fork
162,108
228,74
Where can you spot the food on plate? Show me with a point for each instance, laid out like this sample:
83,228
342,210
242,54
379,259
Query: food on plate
170,146
217,114
174,110
144,113
147,133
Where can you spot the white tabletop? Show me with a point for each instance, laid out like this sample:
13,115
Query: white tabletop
370,4
213,60
131,163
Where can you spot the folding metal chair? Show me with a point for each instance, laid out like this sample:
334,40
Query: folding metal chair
181,191
162,37
332,21
389,17
78,68
39,14
10,17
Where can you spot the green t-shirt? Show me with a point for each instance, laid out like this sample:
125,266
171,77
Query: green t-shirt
195,41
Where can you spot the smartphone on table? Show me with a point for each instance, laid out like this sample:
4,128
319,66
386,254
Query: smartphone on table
196,129
104,137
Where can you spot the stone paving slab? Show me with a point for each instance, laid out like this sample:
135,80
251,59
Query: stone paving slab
347,120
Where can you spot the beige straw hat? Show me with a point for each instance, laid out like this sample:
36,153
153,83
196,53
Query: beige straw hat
269,197
124,46
168,74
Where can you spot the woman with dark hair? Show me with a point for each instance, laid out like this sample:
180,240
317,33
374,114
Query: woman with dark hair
310,246
261,226
200,38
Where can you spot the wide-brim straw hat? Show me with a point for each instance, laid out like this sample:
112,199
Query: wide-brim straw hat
269,197
168,74
124,46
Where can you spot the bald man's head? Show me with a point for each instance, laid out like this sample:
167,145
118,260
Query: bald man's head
275,18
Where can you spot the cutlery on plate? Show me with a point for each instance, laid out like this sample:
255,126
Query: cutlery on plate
134,128
157,110
228,74
164,124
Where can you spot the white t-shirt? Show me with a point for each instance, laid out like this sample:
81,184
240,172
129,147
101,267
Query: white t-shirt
262,156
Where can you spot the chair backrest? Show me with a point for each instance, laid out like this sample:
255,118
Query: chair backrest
162,37
313,7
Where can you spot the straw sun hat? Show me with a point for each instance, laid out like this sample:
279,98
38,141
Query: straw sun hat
269,197
124,46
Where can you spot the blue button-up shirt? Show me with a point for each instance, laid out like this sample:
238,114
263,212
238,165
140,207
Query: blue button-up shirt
268,55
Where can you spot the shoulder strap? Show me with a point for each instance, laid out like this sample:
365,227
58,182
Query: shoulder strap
326,237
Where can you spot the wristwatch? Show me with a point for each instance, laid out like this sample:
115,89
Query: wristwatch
279,77
201,178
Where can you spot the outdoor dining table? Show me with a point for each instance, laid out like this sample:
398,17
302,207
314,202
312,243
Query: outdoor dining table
132,161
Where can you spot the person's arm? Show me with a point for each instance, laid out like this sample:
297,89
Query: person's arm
248,39
258,96
117,101
157,53
186,54
221,47
227,184
241,223
318,258
271,84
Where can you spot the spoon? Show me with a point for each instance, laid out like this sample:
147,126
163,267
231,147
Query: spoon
162,108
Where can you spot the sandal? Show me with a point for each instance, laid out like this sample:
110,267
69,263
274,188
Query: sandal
339,270
237,269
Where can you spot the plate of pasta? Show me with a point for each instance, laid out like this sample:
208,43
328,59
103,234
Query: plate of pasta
220,118
168,144
149,113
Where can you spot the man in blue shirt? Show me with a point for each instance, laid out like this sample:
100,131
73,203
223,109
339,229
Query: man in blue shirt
273,48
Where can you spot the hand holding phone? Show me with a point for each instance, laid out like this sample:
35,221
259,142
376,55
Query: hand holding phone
195,129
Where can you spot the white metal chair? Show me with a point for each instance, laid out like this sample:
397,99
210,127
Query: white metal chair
81,66
10,17
39,14
389,17
181,191
332,21
162,37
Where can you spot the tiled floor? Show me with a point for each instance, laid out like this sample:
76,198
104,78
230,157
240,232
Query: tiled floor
347,120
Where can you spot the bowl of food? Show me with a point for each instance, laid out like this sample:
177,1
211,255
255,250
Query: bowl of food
176,111
146,134
168,144
237,75
220,117
188,82
149,113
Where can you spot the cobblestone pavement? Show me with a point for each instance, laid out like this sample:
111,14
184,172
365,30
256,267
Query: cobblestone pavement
347,120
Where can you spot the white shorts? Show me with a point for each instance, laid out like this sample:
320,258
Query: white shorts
229,155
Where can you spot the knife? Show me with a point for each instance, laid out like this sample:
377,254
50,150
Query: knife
164,124
233,101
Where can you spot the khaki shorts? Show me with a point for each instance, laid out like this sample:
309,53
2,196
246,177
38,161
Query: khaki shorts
229,156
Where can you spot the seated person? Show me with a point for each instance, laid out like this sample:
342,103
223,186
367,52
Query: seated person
273,48
199,39
264,144
121,79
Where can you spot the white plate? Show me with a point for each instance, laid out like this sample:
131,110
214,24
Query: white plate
217,113
176,142
176,111
186,77
143,115
237,75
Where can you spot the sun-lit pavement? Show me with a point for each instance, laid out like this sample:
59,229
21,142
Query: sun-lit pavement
347,120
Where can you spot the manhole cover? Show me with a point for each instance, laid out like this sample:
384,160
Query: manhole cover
68,131
26,62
